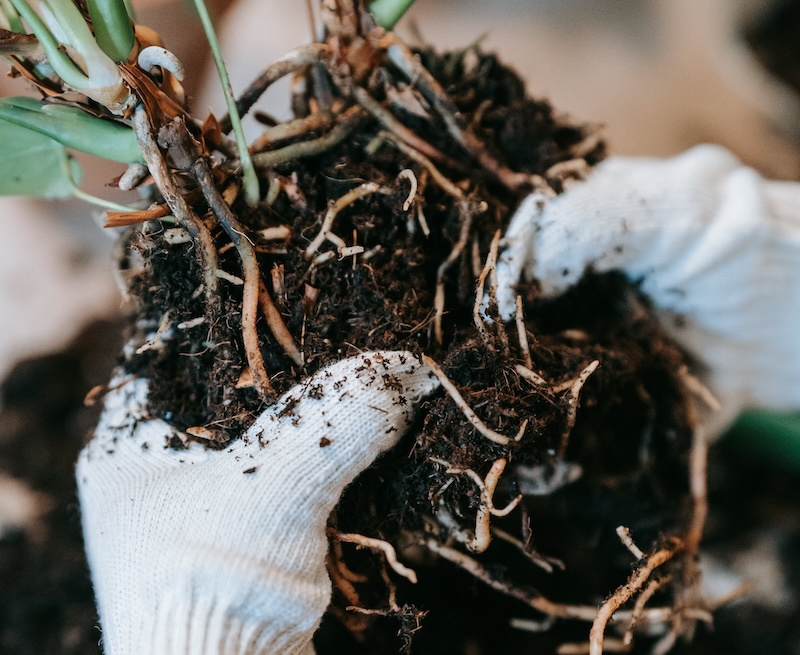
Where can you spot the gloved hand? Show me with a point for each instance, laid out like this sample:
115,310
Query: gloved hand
715,246
223,552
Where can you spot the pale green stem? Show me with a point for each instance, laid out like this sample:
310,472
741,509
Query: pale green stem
112,27
101,202
130,9
252,192
80,194
66,69
14,21
99,67
388,12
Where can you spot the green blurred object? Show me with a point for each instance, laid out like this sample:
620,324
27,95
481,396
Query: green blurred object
388,12
772,437
73,128
33,164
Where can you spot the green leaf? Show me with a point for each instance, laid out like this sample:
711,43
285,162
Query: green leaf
32,164
74,128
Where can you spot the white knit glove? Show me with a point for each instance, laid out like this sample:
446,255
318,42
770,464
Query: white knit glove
199,552
716,247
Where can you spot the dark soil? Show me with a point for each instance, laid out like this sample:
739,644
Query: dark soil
774,40
632,433
630,439
46,600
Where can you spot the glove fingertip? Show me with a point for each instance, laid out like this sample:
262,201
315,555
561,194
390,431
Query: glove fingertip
347,413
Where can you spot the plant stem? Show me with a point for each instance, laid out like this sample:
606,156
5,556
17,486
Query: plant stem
14,21
250,272
346,125
66,69
252,193
196,228
99,68
112,27
80,194
289,63
388,12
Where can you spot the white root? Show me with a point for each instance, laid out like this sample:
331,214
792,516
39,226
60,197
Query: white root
154,55
468,412
494,305
652,616
483,533
350,251
522,337
229,277
548,564
491,263
638,607
278,327
337,206
445,184
348,574
401,57
395,127
693,384
477,265
572,404
277,233
156,341
698,459
380,545
624,593
408,174
529,375
273,192
455,253
278,282
582,648
194,322
133,176
423,222
625,537
336,240
176,236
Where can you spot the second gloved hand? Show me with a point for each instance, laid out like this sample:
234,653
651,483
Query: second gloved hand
715,246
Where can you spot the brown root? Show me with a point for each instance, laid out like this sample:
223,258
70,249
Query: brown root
626,592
